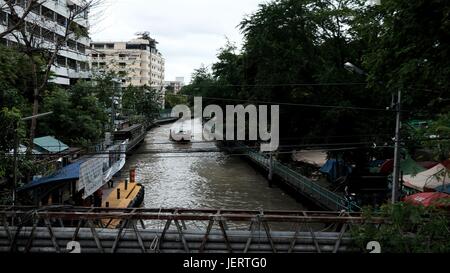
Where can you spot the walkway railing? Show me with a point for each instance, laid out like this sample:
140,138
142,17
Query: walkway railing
305,186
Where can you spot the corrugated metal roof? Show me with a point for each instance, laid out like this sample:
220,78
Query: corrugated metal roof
68,173
50,144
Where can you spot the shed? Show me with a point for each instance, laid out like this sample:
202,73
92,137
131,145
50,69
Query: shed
49,145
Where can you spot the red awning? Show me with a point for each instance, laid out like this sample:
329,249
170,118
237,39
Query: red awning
427,199
388,167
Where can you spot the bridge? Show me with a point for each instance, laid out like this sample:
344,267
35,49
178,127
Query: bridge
57,229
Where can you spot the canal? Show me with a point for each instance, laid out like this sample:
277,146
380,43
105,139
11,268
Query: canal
200,180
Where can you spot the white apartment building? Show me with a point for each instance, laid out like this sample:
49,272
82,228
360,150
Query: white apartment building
138,62
47,23
175,85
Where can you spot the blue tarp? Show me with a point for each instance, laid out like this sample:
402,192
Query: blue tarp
444,189
335,169
68,173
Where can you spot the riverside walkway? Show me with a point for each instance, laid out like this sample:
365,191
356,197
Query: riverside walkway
303,185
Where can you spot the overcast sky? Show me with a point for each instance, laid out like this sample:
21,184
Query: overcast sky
189,32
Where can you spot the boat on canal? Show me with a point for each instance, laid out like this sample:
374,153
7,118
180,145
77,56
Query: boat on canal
135,135
181,135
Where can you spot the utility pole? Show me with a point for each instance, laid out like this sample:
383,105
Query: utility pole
396,180
16,147
113,110
16,155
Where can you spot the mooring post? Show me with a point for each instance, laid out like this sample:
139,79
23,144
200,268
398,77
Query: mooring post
133,175
118,194
107,204
126,184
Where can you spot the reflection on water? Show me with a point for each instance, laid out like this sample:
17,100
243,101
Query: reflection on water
201,180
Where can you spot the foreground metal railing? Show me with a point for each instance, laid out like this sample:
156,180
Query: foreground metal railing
54,229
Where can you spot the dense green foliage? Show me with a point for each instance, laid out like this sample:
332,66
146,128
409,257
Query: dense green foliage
141,101
294,53
78,117
408,229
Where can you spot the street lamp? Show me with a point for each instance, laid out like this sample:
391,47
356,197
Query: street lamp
353,68
398,109
16,147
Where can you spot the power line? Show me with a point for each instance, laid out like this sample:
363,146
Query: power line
219,150
294,104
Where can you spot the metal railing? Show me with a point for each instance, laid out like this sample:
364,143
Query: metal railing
53,229
304,185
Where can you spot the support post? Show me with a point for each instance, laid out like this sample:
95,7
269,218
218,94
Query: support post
271,170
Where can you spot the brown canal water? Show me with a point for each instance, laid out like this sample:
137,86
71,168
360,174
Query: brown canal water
201,180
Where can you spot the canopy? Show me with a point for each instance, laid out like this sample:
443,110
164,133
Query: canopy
407,166
68,173
411,167
335,169
435,179
427,199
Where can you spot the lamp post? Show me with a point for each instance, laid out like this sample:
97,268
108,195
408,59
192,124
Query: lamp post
398,109
16,147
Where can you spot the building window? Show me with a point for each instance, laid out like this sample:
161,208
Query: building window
62,21
21,3
3,18
35,30
72,64
83,66
36,9
48,13
99,46
60,40
48,35
61,61
110,46
72,44
81,48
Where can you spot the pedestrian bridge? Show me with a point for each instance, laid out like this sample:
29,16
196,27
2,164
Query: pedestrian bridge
87,230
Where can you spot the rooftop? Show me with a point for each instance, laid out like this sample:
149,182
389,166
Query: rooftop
50,144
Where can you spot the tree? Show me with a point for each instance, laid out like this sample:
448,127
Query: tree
78,116
407,229
17,12
142,101
406,48
42,55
